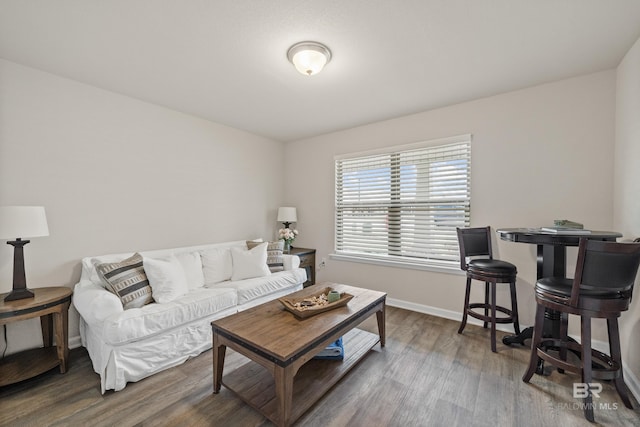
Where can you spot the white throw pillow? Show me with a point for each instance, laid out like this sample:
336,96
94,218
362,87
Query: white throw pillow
166,277
192,265
216,265
275,260
249,263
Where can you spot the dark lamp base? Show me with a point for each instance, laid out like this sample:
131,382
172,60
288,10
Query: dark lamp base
17,294
20,290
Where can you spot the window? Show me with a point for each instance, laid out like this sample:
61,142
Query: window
403,204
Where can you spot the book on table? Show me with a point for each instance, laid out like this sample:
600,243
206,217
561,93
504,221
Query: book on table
566,223
565,230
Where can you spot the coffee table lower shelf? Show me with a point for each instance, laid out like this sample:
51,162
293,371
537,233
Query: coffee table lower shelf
256,386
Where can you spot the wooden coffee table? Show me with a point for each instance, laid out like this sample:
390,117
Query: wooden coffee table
283,380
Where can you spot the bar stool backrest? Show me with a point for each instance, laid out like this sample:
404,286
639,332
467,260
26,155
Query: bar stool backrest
474,242
608,267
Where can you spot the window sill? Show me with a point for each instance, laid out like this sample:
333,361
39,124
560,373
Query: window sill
440,268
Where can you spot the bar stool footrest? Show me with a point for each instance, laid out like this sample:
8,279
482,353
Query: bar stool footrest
603,366
509,313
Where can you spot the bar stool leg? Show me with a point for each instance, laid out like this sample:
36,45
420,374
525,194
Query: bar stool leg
486,303
514,308
587,375
466,306
616,355
493,317
535,343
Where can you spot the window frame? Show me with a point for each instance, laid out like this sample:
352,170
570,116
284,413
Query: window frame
450,265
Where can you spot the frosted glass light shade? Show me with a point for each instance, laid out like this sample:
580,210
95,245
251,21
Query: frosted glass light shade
22,222
309,58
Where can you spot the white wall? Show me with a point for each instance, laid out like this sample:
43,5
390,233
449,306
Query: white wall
627,190
538,154
116,175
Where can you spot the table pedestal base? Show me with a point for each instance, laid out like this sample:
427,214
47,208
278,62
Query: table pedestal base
526,334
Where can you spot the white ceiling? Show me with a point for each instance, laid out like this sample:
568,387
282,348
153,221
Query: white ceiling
225,60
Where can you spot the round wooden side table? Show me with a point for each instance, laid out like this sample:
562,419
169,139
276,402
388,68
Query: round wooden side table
51,305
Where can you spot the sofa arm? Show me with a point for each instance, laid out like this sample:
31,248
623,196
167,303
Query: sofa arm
94,303
290,262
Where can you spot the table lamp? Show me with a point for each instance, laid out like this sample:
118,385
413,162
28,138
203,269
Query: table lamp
287,215
23,221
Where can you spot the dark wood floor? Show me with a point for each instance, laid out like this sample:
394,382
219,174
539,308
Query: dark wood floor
427,375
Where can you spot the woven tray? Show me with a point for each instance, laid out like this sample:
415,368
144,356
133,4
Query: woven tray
289,304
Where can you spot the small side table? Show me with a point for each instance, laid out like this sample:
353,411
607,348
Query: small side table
51,305
308,262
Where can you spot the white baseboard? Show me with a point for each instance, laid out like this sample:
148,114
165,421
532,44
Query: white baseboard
439,312
74,342
631,381
633,384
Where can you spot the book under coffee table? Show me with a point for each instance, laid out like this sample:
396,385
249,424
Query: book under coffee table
282,380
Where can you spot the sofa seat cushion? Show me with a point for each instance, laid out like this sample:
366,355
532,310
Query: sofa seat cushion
138,323
250,289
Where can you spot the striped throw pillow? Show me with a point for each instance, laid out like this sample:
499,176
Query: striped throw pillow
274,254
127,280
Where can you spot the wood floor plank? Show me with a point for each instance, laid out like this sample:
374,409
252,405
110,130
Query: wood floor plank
427,375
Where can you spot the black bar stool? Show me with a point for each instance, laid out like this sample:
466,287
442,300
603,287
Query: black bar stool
476,258
601,288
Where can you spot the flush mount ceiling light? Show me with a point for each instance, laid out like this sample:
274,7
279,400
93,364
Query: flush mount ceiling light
309,57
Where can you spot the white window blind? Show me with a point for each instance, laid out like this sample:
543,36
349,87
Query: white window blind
404,204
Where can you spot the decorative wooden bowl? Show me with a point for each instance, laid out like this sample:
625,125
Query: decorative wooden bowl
292,304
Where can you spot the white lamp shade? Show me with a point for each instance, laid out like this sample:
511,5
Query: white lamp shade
17,222
287,214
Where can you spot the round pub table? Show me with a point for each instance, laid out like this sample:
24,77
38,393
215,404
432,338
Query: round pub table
551,262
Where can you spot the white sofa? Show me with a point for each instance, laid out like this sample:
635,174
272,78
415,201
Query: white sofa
127,345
